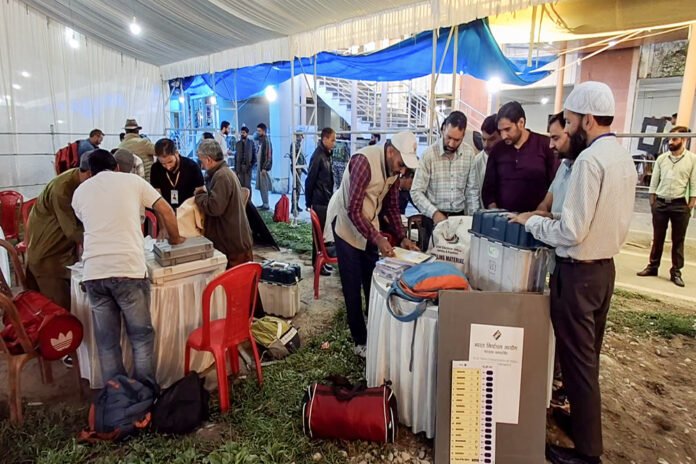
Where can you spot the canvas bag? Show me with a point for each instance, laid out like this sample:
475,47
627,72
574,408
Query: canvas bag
52,329
337,409
121,409
190,219
282,210
276,335
182,407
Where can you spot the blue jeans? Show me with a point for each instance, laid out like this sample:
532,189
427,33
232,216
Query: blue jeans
110,298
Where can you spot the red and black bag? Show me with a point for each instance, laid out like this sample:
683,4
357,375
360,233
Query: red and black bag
67,158
282,210
49,327
344,411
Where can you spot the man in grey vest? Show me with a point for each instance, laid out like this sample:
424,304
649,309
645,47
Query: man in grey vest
370,187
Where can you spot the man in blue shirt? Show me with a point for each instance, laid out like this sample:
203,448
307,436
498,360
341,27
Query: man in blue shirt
92,143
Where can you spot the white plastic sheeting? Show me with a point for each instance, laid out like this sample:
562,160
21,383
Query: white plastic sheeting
45,82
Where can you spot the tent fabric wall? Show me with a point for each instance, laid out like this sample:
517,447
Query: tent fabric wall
391,24
478,55
44,82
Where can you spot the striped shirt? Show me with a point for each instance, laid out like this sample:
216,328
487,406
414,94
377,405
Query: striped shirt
360,176
559,187
674,177
441,184
598,207
480,163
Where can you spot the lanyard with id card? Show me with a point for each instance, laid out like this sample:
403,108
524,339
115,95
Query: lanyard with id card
174,193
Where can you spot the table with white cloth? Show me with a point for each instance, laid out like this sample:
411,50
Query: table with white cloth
176,311
5,261
407,359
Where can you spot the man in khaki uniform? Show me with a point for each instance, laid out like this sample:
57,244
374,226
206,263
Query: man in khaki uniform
54,233
141,147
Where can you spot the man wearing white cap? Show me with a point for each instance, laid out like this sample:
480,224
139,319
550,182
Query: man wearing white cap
370,187
592,228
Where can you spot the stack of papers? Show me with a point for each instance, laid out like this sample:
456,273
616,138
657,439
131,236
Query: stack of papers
390,268
411,257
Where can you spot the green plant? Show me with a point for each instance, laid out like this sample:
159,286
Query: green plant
665,324
296,237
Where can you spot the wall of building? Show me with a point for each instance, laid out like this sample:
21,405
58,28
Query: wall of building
619,69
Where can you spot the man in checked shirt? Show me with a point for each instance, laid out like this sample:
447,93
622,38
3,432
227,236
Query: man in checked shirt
370,186
445,183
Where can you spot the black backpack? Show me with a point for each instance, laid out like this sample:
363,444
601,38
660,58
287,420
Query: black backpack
181,408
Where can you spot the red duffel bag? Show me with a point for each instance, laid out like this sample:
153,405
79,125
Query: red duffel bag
50,328
344,411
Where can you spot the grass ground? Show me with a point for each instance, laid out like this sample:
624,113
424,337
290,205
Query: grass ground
296,237
264,425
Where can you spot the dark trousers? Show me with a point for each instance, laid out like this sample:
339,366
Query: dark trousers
580,298
321,214
429,226
355,267
677,212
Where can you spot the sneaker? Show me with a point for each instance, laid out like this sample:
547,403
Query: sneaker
326,270
328,267
360,350
68,361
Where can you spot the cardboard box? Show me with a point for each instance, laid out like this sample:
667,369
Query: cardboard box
522,442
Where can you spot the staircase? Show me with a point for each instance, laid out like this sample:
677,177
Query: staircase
404,104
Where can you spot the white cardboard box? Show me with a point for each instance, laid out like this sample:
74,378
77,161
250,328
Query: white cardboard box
160,275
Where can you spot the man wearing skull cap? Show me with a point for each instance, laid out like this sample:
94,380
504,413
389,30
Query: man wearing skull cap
591,230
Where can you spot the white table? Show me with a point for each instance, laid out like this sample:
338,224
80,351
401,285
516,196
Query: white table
176,310
5,261
389,356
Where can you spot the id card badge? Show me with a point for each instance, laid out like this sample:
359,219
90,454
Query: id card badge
174,197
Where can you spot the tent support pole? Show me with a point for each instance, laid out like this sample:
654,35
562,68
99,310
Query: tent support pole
686,99
455,86
433,79
293,161
560,78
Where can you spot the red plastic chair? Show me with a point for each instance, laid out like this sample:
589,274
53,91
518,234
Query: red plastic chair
24,244
322,256
152,217
224,335
11,203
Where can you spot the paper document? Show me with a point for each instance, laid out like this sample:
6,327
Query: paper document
472,426
501,347
412,257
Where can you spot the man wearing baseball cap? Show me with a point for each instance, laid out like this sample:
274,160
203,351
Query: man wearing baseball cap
142,148
592,228
370,187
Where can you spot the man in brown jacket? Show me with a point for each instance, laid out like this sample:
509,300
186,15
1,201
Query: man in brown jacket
221,201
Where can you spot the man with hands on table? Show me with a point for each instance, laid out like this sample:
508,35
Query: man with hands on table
590,231
115,273
370,186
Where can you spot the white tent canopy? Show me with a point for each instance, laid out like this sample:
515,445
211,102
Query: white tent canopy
188,38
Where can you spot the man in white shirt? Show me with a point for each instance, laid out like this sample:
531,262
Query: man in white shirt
221,138
115,274
592,228
445,181
672,198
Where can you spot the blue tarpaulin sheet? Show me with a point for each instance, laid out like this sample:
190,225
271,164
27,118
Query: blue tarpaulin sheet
478,55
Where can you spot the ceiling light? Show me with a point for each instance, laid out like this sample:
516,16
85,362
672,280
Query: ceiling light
494,84
271,94
213,100
182,99
16,86
612,43
71,37
25,74
544,100
8,98
60,121
135,27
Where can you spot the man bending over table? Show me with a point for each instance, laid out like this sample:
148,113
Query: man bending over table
115,274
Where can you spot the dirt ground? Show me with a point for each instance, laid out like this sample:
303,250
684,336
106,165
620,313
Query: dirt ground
647,384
